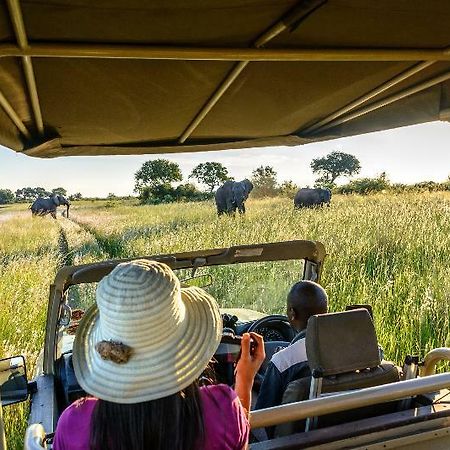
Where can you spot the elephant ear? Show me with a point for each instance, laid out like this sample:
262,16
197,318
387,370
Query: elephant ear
55,199
248,185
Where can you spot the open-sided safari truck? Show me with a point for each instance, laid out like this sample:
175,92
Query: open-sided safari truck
131,77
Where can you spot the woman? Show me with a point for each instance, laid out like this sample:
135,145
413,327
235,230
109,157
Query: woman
139,352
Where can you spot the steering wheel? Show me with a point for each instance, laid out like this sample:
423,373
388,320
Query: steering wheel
272,346
273,318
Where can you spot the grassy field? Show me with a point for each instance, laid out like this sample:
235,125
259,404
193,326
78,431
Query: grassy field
390,251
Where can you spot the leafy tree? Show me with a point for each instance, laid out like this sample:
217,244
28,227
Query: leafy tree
165,193
29,194
334,165
324,183
59,191
41,192
210,173
76,196
6,196
155,173
264,180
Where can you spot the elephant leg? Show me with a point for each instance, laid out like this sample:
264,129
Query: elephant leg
241,208
221,208
231,207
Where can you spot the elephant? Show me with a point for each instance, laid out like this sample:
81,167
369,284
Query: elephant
42,206
306,197
232,195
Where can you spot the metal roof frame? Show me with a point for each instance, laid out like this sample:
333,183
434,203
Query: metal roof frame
26,50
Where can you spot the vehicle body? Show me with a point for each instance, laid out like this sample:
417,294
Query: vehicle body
162,77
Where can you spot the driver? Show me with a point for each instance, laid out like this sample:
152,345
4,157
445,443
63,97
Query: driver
304,300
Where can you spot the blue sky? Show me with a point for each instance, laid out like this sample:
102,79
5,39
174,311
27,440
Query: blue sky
407,155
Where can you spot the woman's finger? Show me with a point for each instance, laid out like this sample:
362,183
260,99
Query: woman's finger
245,345
259,351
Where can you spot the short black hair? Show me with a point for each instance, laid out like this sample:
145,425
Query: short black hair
308,298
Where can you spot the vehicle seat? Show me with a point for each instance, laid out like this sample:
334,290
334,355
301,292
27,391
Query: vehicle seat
343,354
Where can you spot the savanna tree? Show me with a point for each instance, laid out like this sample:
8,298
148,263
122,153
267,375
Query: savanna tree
29,194
6,196
210,173
60,191
155,173
334,165
264,180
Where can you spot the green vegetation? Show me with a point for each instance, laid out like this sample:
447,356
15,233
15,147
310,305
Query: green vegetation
6,196
264,179
391,251
28,261
211,174
333,166
381,183
153,183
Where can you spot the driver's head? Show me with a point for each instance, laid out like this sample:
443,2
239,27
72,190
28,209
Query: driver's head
304,300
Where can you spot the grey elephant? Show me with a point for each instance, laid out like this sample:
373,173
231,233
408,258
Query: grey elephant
306,197
232,195
42,206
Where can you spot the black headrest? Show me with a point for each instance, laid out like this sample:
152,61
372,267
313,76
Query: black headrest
342,342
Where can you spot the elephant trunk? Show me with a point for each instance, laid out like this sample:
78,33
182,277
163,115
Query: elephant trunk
68,206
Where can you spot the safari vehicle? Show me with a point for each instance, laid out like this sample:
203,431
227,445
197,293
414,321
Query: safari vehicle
122,78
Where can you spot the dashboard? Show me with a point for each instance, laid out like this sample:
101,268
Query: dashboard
271,334
273,328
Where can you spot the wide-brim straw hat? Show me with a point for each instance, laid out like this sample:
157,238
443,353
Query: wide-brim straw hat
147,337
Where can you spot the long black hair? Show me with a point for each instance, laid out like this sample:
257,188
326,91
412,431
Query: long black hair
174,422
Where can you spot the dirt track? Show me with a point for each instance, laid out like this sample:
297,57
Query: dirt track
6,215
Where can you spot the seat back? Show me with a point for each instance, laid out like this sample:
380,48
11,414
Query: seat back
341,342
342,348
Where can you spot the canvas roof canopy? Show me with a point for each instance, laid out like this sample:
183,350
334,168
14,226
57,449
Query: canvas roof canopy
79,77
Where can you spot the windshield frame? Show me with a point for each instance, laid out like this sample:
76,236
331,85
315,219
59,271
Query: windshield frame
312,252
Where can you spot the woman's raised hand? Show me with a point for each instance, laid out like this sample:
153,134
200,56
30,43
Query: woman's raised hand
248,365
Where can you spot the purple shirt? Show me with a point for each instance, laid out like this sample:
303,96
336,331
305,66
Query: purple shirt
225,421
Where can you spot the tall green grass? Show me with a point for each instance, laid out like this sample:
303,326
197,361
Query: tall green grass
389,251
29,258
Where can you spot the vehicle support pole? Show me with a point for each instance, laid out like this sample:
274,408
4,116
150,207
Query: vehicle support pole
2,431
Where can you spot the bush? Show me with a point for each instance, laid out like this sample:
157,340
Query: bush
364,185
76,196
165,193
381,183
431,186
6,196
265,183
288,189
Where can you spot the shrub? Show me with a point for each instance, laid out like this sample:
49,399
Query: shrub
364,185
165,193
6,196
265,183
288,189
